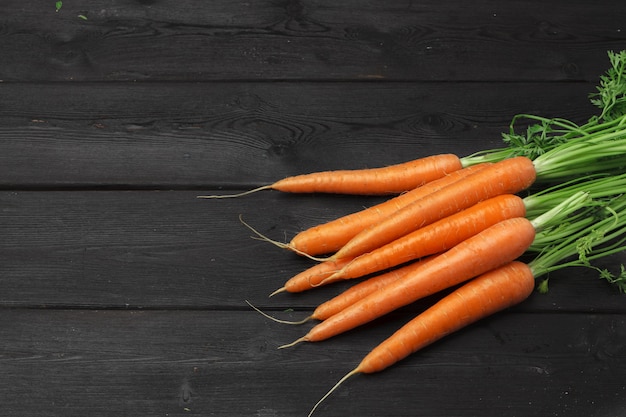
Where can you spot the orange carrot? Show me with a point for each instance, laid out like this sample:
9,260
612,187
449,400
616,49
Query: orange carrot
330,237
487,250
505,177
491,292
363,289
391,179
349,296
317,273
434,238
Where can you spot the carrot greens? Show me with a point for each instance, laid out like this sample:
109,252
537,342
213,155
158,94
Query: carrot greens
574,206
561,148
611,93
583,243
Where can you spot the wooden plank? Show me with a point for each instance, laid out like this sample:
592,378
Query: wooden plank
123,294
324,40
102,363
212,135
164,249
160,249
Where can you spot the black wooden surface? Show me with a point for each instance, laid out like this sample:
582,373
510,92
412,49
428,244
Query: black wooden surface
124,295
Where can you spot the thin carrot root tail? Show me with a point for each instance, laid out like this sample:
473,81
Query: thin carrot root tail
333,389
277,320
329,280
295,342
254,190
278,291
281,245
319,284
336,276
323,281
262,237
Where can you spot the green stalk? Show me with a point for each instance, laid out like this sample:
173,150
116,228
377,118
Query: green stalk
603,238
582,150
598,186
581,158
562,149
549,236
560,212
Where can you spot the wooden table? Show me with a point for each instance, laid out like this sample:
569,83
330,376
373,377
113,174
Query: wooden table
123,294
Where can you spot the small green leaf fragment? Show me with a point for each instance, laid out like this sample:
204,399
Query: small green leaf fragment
543,287
618,280
58,5
82,16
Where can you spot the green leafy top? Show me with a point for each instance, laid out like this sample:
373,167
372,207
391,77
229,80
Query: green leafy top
611,93
585,242
546,134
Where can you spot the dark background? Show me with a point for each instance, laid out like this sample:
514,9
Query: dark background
122,294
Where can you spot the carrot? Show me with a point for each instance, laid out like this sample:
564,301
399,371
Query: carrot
363,289
489,249
391,179
317,273
505,177
349,296
556,207
491,292
331,236
434,238
503,287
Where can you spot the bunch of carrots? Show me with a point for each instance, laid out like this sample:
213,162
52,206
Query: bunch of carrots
459,223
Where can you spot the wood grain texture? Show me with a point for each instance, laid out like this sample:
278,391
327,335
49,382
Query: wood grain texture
123,294
246,134
226,363
320,40
160,249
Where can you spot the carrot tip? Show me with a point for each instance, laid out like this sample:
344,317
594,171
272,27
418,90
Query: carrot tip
279,244
278,291
265,187
295,342
274,318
